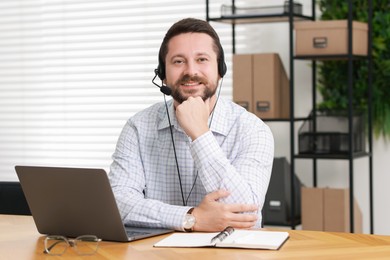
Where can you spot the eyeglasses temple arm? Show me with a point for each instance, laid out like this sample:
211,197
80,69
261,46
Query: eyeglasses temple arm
47,250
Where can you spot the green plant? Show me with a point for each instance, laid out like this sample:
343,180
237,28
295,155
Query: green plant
332,76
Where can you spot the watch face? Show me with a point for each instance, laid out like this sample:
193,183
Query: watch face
189,221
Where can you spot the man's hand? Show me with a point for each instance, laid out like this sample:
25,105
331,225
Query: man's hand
193,115
213,216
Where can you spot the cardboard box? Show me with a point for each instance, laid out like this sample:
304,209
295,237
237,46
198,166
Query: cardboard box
330,37
243,80
326,209
260,84
312,208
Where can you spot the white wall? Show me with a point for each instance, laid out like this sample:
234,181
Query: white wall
381,187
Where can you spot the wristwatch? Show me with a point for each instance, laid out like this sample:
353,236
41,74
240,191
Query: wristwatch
189,221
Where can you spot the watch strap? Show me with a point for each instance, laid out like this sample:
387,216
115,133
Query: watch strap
189,212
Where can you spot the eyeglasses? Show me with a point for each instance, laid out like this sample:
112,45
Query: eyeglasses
83,245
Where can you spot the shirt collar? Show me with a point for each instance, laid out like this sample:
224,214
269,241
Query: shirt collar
220,123
163,121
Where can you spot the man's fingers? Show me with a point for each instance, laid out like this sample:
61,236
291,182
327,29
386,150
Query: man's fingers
244,221
238,208
243,216
207,103
243,225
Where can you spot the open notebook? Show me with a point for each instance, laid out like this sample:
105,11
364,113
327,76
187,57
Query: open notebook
254,239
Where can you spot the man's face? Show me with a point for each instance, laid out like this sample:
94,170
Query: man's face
191,66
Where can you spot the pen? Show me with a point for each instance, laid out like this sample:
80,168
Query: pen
221,236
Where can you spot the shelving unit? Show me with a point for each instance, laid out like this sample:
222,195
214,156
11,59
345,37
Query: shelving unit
290,17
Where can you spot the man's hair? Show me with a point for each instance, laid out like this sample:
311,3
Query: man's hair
190,25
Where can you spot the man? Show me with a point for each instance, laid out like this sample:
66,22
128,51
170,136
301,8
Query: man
204,165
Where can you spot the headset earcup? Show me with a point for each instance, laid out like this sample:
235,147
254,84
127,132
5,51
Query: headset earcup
160,71
222,68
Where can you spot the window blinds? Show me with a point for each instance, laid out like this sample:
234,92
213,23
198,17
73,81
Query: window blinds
73,71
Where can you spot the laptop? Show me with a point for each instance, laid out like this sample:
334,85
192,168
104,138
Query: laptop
76,201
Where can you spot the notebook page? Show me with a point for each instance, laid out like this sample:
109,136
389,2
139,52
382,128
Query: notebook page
187,240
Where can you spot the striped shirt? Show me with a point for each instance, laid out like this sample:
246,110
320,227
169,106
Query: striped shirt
235,155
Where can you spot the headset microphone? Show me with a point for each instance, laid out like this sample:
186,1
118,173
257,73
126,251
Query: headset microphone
163,88
166,90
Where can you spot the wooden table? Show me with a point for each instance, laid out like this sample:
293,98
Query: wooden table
19,239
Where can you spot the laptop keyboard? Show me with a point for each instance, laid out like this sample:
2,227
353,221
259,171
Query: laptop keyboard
132,233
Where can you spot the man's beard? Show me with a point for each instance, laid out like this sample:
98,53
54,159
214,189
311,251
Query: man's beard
208,91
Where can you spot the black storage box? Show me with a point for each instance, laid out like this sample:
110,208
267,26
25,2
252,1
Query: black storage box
277,204
331,134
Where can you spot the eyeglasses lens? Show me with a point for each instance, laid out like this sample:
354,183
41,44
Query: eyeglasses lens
86,245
